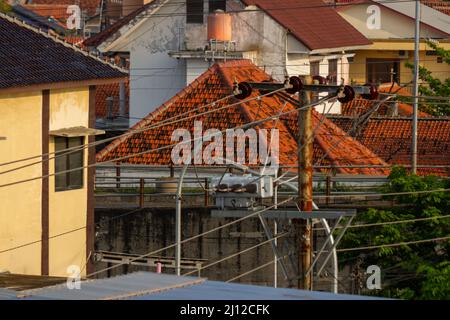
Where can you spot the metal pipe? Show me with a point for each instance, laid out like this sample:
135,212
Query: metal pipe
333,247
415,90
178,222
335,260
122,99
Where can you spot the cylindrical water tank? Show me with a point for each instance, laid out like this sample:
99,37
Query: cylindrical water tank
219,26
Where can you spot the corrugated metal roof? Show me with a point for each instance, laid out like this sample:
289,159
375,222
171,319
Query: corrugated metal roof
6,294
153,286
215,290
120,287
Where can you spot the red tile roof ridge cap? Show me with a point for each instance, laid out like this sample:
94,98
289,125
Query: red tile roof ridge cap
230,82
67,44
143,122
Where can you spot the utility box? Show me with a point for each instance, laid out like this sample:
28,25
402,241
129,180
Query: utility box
240,191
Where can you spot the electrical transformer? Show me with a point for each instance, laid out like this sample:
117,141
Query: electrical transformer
240,191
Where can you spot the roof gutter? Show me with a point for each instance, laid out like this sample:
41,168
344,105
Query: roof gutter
340,49
61,85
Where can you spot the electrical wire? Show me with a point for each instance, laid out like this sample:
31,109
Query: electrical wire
250,124
388,222
393,244
237,253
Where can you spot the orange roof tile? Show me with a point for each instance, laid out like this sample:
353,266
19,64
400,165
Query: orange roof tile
359,106
57,11
110,90
217,83
390,138
89,6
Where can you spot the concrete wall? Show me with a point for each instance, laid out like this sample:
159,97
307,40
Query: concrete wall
68,209
151,229
20,205
195,67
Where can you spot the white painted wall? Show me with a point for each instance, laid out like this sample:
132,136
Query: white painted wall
195,67
155,77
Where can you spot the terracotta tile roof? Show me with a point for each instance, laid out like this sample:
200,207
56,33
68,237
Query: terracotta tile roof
216,83
438,5
110,90
312,22
97,39
359,106
390,138
31,58
57,11
89,6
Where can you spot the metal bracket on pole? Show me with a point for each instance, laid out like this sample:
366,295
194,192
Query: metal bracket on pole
335,244
274,246
178,222
316,259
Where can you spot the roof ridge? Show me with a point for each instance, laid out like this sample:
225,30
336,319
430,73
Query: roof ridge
56,39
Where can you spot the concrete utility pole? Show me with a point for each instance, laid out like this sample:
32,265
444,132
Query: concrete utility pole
305,173
416,90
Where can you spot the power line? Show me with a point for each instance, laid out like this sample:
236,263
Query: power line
393,244
170,145
389,222
67,232
238,253
250,215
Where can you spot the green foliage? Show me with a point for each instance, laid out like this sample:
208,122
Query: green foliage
433,86
4,6
413,271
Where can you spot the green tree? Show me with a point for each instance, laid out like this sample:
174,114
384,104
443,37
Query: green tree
4,6
414,271
432,86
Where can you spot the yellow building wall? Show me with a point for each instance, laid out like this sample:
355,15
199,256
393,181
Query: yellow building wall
358,66
68,209
20,204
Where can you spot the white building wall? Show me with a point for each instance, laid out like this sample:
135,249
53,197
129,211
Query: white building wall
195,67
155,77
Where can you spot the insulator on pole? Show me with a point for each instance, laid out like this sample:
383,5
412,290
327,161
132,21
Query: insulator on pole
242,90
296,85
345,94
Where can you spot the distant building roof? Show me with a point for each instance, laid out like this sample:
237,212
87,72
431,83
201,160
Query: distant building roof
89,6
359,106
312,22
390,138
106,91
109,32
38,19
331,144
429,16
32,58
153,286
